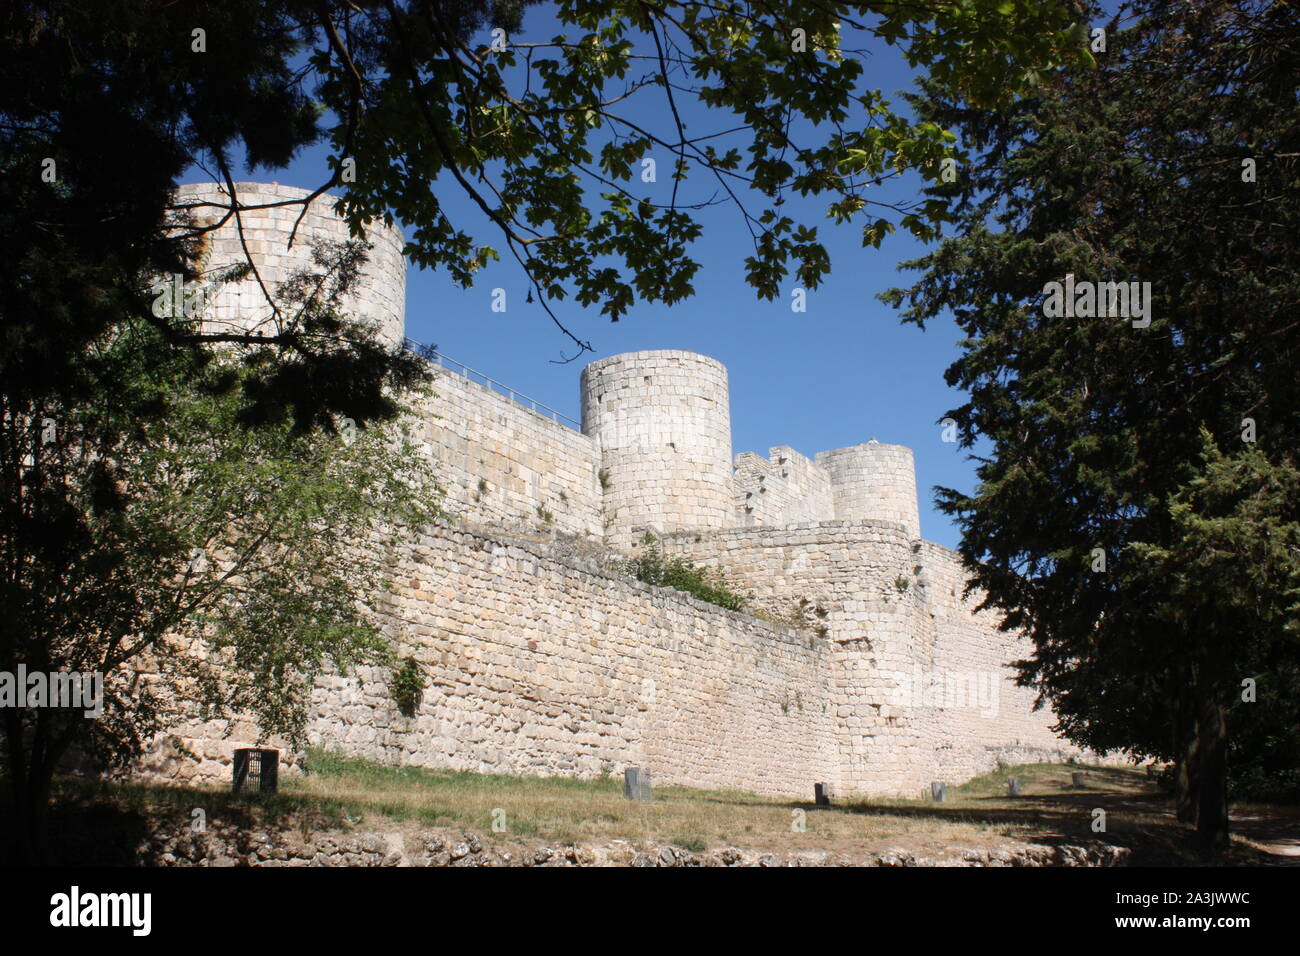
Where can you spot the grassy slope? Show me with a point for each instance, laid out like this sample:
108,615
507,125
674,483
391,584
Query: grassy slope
347,793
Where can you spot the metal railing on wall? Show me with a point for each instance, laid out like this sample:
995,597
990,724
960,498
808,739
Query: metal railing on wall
519,398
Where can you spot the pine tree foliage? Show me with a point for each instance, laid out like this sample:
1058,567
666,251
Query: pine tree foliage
1138,509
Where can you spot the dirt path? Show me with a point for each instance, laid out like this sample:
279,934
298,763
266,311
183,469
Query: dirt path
1275,831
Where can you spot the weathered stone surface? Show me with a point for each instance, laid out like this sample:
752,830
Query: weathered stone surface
870,670
662,421
380,294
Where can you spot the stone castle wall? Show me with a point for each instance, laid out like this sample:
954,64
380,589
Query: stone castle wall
546,660
546,657
921,685
784,488
378,299
505,465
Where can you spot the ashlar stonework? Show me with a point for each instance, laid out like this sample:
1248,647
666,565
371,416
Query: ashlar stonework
864,666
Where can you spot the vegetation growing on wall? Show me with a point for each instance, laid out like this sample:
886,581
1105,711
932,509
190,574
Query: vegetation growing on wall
408,687
653,567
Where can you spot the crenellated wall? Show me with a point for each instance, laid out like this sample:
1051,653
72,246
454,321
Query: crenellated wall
784,488
868,670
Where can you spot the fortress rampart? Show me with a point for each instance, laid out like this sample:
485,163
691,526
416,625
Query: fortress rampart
921,685
662,421
505,466
867,670
379,298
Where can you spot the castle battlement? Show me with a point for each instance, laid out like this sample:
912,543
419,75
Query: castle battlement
866,666
659,422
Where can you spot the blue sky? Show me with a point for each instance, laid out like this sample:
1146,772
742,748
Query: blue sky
841,373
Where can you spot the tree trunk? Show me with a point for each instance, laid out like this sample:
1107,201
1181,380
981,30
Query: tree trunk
31,820
1212,783
1186,767
31,776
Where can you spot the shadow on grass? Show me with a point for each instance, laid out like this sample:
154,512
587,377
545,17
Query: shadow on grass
1052,812
1142,823
98,823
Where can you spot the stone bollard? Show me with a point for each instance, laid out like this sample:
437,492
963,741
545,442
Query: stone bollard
636,785
938,792
1013,787
820,795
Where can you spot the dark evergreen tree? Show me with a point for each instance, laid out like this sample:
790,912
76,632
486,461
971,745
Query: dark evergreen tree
1139,510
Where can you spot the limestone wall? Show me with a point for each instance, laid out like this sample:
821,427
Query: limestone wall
544,658
542,661
967,643
784,488
502,464
662,420
378,299
921,687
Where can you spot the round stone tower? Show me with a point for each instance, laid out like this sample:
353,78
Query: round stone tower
662,421
874,482
378,297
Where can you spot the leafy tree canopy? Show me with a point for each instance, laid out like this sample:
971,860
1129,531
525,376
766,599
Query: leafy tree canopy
414,98
204,568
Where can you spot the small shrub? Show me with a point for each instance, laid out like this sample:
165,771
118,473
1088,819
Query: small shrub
408,687
435,816
653,568
1264,785
603,476
902,583
524,826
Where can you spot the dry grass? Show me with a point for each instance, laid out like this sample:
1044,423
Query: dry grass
565,810
346,793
